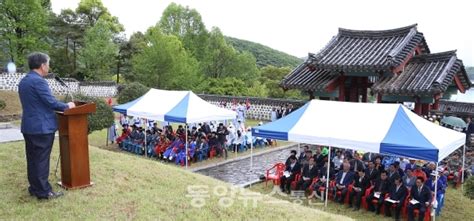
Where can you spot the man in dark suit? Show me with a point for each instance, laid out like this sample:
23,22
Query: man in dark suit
343,179
303,153
356,163
371,172
398,192
378,192
38,124
422,195
393,174
288,160
292,169
367,157
361,183
310,171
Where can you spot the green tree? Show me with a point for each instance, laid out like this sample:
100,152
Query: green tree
68,30
99,52
164,63
127,49
131,92
224,61
89,12
265,55
271,77
23,26
67,35
187,25
103,116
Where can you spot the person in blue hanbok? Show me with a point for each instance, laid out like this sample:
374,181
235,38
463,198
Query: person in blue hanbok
171,152
112,133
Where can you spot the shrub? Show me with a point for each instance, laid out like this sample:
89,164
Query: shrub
469,190
131,92
2,104
102,118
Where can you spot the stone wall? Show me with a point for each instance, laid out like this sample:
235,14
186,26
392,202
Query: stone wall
94,89
260,108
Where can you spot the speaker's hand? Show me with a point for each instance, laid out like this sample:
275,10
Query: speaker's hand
71,105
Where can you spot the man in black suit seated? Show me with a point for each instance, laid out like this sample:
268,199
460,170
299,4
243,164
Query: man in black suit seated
343,179
361,183
303,153
422,195
371,172
292,170
288,160
310,171
398,193
393,174
378,192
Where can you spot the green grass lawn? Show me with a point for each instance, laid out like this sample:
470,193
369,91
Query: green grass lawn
128,187
457,207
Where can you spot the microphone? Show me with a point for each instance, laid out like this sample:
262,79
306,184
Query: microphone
58,79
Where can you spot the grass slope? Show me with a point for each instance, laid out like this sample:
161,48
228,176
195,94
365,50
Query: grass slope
457,207
12,101
129,187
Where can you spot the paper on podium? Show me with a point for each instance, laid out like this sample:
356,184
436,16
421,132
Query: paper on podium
414,201
286,174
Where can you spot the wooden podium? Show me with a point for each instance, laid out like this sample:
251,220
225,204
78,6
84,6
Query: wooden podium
74,146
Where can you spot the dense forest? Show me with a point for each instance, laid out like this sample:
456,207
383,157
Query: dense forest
179,52
265,55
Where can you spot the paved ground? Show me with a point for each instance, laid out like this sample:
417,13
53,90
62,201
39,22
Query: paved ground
10,134
238,172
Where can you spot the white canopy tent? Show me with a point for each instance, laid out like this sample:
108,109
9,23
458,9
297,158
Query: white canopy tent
377,128
174,106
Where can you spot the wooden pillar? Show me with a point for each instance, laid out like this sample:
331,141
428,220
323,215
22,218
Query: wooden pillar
418,106
353,90
311,95
342,91
435,105
425,109
379,98
365,85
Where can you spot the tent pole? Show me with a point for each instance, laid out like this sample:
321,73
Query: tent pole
436,191
186,132
251,153
462,168
327,178
146,150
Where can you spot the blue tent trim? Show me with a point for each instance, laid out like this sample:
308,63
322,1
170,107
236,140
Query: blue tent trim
404,139
123,107
279,129
179,112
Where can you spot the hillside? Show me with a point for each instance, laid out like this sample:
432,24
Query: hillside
13,105
264,54
129,187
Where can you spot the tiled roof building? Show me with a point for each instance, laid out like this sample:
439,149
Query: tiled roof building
395,64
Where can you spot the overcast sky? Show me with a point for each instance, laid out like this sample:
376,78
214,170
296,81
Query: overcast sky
301,26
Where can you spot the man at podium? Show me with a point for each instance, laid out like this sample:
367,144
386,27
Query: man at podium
39,124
